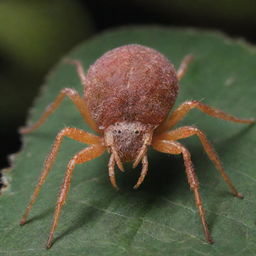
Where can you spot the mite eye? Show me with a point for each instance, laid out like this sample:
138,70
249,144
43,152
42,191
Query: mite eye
136,132
119,131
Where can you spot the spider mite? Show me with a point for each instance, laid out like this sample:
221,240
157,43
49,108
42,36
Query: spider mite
128,93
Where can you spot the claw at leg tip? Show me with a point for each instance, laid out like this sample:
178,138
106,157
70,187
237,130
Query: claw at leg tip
136,186
240,196
23,130
23,222
210,241
49,245
114,185
49,242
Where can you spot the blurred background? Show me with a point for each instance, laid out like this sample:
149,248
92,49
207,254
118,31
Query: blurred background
34,34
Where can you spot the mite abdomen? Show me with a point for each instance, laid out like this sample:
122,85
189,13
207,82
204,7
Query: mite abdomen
131,83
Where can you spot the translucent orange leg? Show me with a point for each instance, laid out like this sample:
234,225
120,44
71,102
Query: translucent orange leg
184,108
184,66
76,99
79,69
83,156
72,133
111,171
172,147
187,131
143,171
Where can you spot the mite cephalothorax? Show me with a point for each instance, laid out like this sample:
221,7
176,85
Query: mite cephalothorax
128,141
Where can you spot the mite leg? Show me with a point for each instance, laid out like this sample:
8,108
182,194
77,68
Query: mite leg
72,133
184,108
172,147
111,171
76,99
187,131
184,66
79,69
143,171
117,159
141,154
143,150
85,155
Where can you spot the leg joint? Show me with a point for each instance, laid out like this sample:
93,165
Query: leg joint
69,91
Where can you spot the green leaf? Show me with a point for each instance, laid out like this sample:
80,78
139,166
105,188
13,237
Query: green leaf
160,218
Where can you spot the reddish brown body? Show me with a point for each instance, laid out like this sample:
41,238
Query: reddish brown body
130,83
128,94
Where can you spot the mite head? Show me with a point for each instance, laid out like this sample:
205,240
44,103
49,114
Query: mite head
128,141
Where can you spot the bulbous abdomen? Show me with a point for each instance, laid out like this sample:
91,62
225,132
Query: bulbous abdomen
130,83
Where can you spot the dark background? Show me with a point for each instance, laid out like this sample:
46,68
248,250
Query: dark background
35,34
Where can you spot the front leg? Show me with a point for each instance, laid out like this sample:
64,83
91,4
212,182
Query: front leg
83,156
73,133
184,108
172,147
